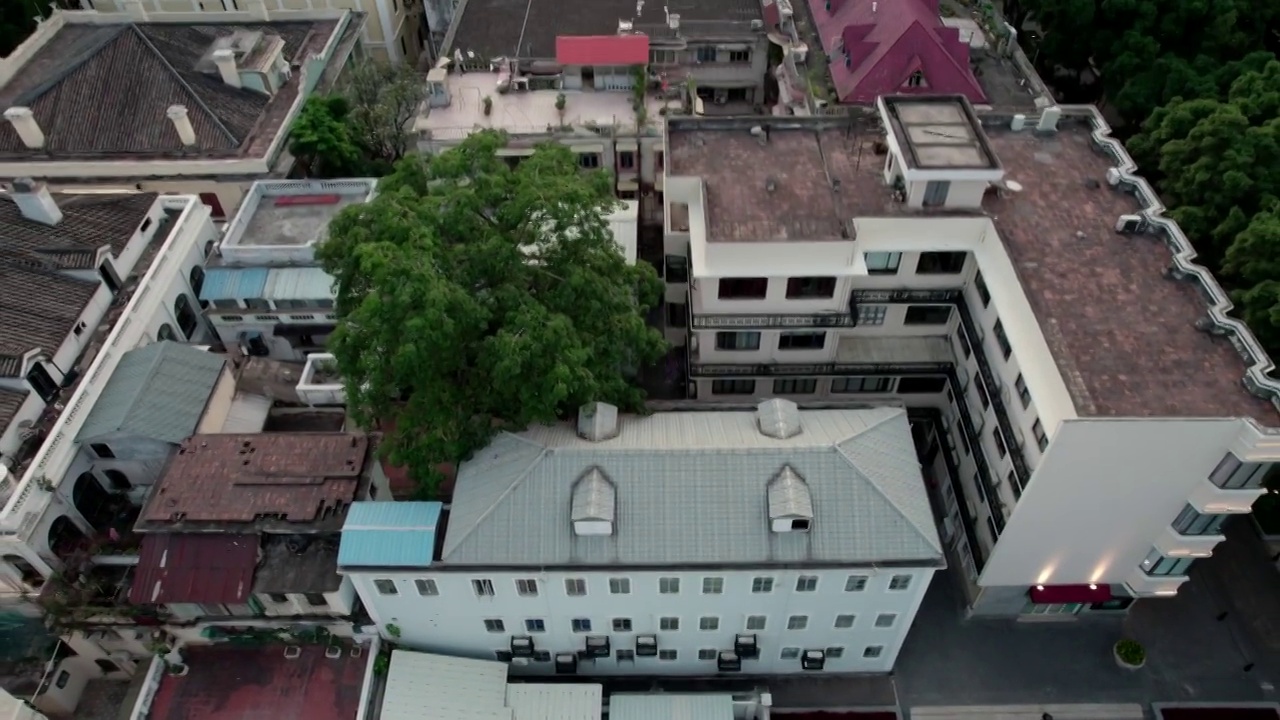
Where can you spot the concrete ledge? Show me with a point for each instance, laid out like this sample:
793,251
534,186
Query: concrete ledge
1127,711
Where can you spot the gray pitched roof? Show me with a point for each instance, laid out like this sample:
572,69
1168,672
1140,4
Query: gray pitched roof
89,222
10,402
691,488
38,309
158,391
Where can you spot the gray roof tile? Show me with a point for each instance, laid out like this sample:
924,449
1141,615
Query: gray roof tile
38,309
10,402
691,488
89,222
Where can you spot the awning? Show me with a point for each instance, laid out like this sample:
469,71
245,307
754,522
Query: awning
596,50
1056,594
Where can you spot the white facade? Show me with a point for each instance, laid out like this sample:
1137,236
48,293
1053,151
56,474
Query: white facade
845,625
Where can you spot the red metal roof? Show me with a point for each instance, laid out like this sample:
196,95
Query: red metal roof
602,50
185,568
1054,594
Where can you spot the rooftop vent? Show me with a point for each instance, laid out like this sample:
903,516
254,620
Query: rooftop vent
594,503
790,504
597,421
25,124
778,418
35,202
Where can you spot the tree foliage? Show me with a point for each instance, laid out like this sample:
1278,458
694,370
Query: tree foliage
323,141
473,296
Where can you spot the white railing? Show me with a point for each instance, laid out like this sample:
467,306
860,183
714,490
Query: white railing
235,247
370,678
147,693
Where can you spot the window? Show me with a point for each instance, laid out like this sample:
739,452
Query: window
861,384
625,655
882,263
677,315
712,585
63,678
855,583
962,338
627,159
1191,522
872,651
426,587
482,588
662,57
899,582
622,625
186,316
669,585
762,585
677,269
588,161
844,622
659,160
541,656
166,332
386,587
705,654
258,304
740,56
527,587
277,598
733,387
667,655
1231,474
810,287
872,315
927,315
743,340
940,263
575,587
708,623
935,194
535,625
807,583
1158,565
797,622
705,53
581,625
980,285
916,79
743,288
404,48
790,653
494,625
619,586
886,620
669,624
1042,440
802,340
999,439
921,384
315,599
982,393
795,386
1023,393
231,318
756,622
102,450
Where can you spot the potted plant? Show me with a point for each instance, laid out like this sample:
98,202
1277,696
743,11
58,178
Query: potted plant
1129,654
560,101
488,106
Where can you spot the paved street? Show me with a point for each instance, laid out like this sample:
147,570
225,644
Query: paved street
1192,656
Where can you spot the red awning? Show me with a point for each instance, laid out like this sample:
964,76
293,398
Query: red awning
1053,594
603,50
187,568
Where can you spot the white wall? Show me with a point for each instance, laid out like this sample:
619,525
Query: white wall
453,621
340,603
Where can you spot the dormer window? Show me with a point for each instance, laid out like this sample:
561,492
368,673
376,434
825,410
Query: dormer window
790,503
594,504
916,79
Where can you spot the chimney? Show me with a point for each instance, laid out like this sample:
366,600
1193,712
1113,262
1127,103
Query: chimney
226,62
35,202
24,123
182,123
597,421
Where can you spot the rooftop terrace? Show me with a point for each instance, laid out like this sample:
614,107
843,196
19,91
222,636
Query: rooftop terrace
1124,337
283,221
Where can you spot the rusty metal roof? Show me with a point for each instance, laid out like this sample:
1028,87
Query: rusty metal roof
187,568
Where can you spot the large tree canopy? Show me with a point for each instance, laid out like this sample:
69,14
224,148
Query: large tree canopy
473,296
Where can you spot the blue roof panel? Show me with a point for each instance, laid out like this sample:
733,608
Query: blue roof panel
234,283
389,534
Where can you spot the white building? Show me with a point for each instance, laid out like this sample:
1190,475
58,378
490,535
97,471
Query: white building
1089,420
690,543
138,261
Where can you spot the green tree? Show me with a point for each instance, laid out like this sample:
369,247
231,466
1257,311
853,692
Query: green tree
473,297
383,100
321,139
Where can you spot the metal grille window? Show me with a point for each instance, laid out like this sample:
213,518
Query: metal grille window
872,315
1191,522
733,387
861,384
795,386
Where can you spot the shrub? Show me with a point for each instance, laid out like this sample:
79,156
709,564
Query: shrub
1130,652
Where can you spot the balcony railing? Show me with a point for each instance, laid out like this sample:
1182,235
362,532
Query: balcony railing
819,369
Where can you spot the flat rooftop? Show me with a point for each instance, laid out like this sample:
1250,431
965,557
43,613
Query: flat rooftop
528,28
279,222
238,683
1124,337
289,214
269,482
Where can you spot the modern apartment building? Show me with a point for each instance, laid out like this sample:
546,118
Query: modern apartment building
764,540
184,103
1089,412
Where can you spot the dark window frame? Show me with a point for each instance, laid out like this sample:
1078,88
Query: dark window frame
743,288
815,287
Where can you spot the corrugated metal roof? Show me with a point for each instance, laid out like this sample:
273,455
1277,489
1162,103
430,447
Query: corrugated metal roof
389,534
544,701
294,283
227,283
183,568
247,414
667,706
602,50
691,487
422,685
158,391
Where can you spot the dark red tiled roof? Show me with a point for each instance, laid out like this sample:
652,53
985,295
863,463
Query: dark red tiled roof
603,50
297,477
889,40
186,568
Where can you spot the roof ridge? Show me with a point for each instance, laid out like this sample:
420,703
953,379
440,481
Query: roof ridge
519,478
924,535
191,92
